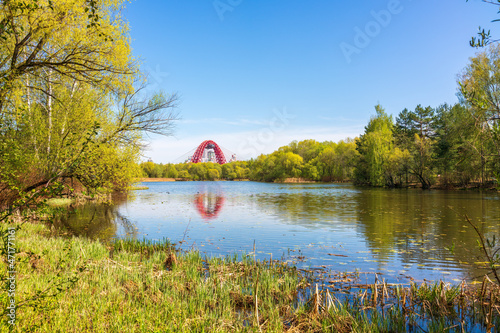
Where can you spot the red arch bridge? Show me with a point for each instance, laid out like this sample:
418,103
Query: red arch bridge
209,151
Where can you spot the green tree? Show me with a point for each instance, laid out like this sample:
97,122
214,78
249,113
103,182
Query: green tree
170,171
279,165
374,147
346,157
326,163
310,171
422,166
307,149
414,132
457,160
49,37
241,170
396,168
479,91
213,174
289,165
71,98
184,174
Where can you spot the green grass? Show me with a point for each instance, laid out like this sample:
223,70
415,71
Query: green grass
135,286
79,285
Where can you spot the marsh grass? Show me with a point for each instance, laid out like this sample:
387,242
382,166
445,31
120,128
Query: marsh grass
145,286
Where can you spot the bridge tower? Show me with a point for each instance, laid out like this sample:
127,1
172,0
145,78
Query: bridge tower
208,151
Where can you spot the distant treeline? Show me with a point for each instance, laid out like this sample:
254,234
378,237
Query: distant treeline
197,171
450,145
424,147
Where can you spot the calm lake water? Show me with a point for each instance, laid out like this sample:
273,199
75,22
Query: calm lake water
400,233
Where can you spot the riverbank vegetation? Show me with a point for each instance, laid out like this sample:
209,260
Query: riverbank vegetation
196,171
79,285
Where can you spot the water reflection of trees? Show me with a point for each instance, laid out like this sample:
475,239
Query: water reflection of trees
311,210
420,225
97,220
417,226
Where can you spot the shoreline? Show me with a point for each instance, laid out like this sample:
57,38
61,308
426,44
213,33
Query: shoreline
472,187
151,180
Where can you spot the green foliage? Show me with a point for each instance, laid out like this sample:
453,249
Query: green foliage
197,171
71,102
446,145
455,158
108,167
483,37
478,90
397,167
374,147
307,149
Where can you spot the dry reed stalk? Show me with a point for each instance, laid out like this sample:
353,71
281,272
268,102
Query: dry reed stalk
490,312
403,306
363,296
329,300
443,293
384,290
316,301
256,299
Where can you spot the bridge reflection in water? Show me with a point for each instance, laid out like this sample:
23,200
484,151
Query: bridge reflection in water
209,203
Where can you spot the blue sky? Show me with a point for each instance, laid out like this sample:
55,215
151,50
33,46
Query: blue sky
255,75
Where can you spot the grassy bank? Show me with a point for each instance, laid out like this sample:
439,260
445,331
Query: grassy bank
78,285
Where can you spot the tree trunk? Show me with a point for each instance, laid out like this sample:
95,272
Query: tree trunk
49,110
31,117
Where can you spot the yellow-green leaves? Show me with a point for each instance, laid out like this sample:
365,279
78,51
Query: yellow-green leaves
63,66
